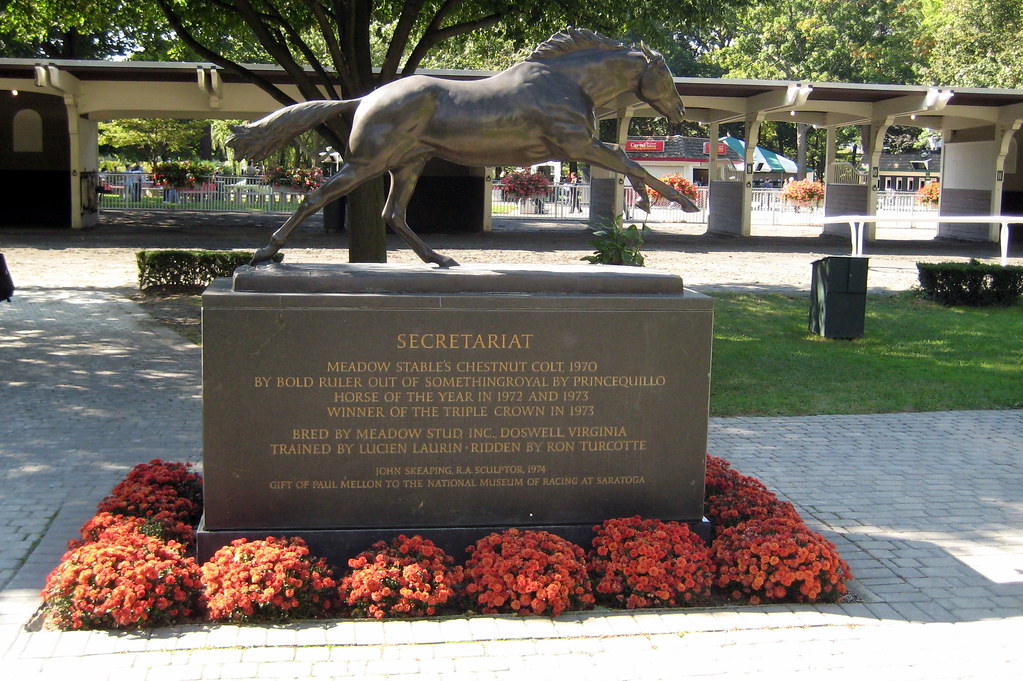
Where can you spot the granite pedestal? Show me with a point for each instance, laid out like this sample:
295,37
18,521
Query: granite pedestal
349,403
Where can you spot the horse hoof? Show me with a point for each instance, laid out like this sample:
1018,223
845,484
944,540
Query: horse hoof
262,255
446,262
643,205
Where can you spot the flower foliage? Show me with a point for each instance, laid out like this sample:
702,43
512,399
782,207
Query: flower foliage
266,580
803,192
124,582
168,493
523,184
299,179
644,563
410,577
679,182
731,498
527,572
929,194
778,559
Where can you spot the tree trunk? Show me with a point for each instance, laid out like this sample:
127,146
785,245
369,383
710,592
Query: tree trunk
367,236
802,129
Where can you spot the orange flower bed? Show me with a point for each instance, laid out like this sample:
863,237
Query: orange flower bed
124,572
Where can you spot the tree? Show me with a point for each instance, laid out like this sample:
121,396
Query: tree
851,41
320,43
152,139
976,42
76,29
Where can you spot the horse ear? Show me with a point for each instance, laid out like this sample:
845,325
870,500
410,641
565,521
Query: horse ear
650,54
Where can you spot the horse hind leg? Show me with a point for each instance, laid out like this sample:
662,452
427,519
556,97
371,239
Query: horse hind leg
348,178
403,183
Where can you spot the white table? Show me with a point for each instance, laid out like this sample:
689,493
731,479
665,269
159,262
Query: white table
857,223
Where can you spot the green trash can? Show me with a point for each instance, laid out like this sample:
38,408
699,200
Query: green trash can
838,296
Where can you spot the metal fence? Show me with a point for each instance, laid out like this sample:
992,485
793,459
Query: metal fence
219,193
229,193
561,202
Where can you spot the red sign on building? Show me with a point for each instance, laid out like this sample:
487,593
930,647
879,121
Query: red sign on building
645,145
722,148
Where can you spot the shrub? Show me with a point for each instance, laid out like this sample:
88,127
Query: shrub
410,577
527,572
731,498
929,194
137,581
523,184
111,528
973,283
160,503
778,559
299,179
618,246
267,580
188,271
803,192
640,563
186,482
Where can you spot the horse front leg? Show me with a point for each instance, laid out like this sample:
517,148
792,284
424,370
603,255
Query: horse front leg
347,179
403,183
616,160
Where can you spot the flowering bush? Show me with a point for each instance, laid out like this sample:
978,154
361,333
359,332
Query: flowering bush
803,192
175,174
160,503
527,572
185,481
523,184
135,581
778,559
929,194
648,563
679,182
112,528
410,577
731,498
299,179
264,580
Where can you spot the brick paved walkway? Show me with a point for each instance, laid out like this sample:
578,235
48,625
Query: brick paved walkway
927,508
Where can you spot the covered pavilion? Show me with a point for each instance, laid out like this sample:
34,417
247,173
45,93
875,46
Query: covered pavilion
49,111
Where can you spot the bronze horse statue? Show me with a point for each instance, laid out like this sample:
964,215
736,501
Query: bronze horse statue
541,109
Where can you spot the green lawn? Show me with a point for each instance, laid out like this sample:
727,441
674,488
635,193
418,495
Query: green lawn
914,356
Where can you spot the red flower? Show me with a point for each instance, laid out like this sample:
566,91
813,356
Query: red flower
266,580
527,572
640,563
778,559
410,577
129,582
679,182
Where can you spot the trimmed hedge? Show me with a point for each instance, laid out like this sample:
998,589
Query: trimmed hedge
188,271
974,283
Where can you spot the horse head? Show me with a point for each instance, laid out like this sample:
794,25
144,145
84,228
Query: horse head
657,87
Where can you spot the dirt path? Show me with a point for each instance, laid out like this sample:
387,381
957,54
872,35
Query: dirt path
774,259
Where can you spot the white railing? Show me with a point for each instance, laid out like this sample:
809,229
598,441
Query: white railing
222,193
561,202
218,193
665,211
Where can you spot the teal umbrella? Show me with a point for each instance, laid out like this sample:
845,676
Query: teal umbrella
764,160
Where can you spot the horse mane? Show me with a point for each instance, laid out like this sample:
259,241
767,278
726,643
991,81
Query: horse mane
572,40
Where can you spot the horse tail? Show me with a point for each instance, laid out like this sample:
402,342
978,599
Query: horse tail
257,140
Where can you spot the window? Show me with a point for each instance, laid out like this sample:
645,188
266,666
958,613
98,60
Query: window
28,131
